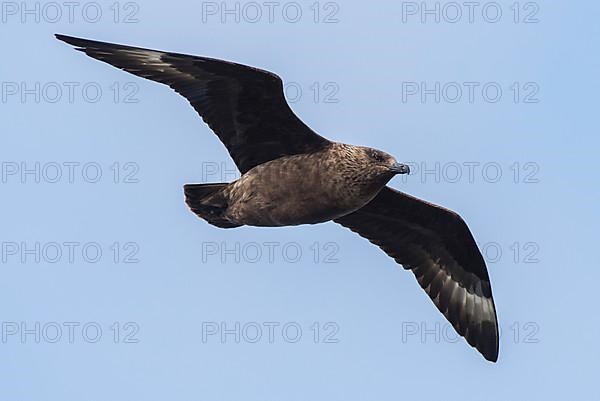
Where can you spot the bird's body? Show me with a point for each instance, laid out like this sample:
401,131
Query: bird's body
299,189
291,175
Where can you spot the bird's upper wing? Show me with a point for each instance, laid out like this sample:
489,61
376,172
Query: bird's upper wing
436,244
244,106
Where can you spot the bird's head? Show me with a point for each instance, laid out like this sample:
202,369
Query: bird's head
379,164
372,168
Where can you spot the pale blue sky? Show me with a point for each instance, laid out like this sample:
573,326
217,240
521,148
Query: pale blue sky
375,335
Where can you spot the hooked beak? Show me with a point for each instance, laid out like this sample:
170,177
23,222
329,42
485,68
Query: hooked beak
399,168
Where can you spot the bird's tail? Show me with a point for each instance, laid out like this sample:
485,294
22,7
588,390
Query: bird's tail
209,203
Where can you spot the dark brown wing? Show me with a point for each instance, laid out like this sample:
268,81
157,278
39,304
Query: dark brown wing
243,105
436,244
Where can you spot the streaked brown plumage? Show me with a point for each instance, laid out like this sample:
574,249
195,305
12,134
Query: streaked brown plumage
291,176
307,188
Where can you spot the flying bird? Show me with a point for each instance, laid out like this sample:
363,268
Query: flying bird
291,176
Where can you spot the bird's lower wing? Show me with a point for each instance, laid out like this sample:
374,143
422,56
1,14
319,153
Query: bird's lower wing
244,106
438,247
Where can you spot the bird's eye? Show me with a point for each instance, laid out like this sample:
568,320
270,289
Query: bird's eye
377,156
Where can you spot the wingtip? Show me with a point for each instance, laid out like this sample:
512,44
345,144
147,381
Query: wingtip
493,357
490,346
79,43
67,39
62,37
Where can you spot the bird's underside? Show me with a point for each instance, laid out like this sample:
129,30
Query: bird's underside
247,110
306,188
